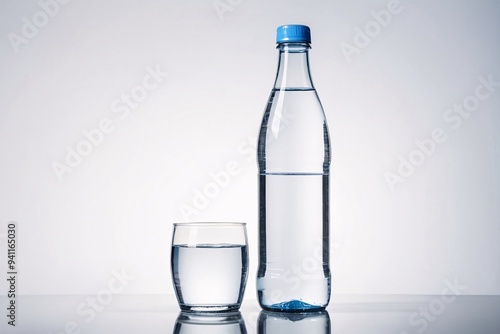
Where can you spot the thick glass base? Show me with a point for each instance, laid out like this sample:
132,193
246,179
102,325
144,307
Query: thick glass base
210,308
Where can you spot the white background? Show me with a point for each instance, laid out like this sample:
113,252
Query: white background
115,209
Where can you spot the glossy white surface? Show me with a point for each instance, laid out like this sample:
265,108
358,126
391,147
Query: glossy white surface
349,314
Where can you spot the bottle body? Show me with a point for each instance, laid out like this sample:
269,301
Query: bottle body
294,161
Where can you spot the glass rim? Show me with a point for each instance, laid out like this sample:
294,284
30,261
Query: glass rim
210,224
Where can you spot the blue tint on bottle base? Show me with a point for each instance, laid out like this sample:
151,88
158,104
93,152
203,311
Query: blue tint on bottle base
295,306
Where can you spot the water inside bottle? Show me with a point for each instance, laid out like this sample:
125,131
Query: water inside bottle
294,272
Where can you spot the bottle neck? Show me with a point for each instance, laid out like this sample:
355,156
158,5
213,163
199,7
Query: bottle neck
293,67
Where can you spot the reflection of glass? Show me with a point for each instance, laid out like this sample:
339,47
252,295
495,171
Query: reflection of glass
210,323
294,323
209,265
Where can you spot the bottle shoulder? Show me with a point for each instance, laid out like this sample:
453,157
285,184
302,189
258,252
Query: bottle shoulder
285,105
294,135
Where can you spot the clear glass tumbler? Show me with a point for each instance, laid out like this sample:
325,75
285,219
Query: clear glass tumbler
209,263
210,323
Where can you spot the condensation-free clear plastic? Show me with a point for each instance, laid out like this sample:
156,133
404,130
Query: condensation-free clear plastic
294,170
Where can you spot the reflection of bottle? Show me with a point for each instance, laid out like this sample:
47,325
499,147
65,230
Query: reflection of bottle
294,163
210,323
294,323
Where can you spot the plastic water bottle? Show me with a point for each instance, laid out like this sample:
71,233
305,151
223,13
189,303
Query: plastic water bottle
294,162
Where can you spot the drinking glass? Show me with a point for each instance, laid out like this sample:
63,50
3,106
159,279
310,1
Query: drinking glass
209,263
210,323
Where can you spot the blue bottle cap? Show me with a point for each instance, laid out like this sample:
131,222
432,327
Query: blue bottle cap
293,33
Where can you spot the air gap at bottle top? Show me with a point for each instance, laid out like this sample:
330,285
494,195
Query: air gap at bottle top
294,169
